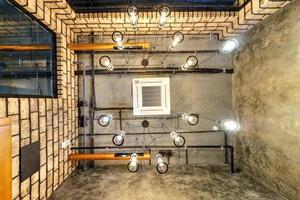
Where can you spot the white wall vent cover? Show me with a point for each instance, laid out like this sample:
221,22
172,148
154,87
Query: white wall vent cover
151,96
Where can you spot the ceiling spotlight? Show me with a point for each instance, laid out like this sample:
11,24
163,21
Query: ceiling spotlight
117,37
104,120
118,139
164,12
177,38
105,61
229,45
133,15
230,125
161,166
133,164
192,119
178,140
191,61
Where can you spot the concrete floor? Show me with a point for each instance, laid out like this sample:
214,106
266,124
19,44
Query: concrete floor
180,183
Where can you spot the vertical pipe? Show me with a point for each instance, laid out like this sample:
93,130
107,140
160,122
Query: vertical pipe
93,100
225,150
84,110
186,156
120,119
231,159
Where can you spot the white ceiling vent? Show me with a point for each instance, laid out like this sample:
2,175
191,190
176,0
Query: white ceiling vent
151,96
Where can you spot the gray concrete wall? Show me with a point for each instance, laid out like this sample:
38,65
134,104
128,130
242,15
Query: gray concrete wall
267,101
206,94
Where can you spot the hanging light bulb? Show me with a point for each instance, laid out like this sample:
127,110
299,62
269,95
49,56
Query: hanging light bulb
117,37
191,61
133,164
118,139
192,119
133,15
230,125
104,120
164,12
161,166
177,38
178,140
105,61
229,45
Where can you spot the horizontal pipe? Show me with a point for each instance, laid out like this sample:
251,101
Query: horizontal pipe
156,146
155,133
156,71
105,156
106,46
28,47
156,52
113,108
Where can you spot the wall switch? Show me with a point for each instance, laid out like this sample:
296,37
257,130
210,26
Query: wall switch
65,143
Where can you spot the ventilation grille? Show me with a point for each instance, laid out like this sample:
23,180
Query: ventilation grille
151,96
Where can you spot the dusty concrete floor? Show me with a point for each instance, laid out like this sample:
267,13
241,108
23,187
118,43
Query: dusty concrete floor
185,183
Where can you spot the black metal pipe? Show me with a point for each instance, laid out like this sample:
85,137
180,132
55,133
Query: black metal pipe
157,70
156,133
114,108
154,52
120,120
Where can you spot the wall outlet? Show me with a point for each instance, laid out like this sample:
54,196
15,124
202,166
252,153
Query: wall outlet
65,143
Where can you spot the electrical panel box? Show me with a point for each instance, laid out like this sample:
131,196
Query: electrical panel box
151,96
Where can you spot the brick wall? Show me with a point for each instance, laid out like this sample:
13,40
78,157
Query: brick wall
50,121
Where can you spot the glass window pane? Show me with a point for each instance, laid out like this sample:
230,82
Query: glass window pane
27,55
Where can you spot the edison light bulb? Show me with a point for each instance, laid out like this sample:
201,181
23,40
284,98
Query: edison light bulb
230,125
104,120
118,139
229,45
178,140
192,61
161,166
133,165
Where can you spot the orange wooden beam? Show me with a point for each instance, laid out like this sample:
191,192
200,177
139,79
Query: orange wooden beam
105,46
104,156
30,47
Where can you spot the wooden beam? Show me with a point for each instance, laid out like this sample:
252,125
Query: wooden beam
104,156
107,46
30,47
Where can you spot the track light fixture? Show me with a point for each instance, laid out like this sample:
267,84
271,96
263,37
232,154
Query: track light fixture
191,61
164,12
105,61
191,119
118,139
104,120
117,37
178,140
161,166
133,164
229,45
133,15
230,125
177,38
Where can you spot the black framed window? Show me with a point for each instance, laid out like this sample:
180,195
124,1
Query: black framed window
27,54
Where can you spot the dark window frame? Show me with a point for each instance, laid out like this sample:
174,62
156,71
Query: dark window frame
54,58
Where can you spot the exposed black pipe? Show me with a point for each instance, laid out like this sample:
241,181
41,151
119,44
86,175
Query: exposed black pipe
114,108
158,133
216,51
222,147
157,70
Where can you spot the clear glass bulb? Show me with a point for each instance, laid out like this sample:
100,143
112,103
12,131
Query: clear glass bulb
178,140
192,61
164,11
105,120
105,61
161,166
230,125
118,140
178,37
117,36
132,11
133,164
229,45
